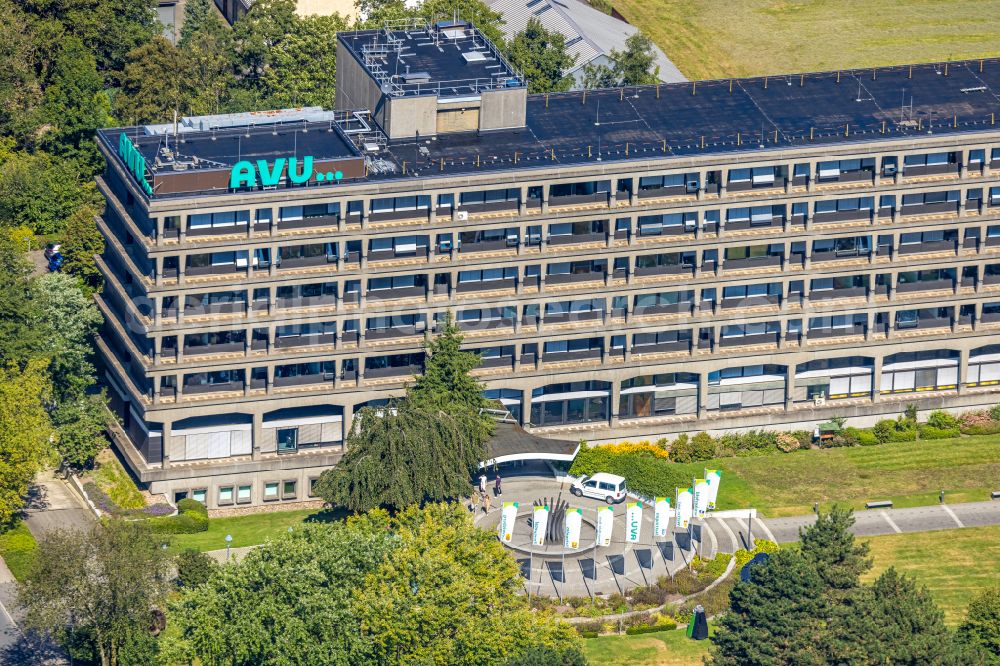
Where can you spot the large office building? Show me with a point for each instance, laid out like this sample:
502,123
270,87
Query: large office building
764,252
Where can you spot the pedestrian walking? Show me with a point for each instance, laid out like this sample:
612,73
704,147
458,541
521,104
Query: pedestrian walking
482,483
475,501
496,486
486,503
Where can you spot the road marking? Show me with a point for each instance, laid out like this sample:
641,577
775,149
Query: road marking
951,513
729,532
767,531
892,524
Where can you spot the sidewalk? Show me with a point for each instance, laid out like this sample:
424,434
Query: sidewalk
53,505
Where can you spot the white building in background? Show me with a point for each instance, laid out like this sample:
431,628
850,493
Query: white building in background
590,34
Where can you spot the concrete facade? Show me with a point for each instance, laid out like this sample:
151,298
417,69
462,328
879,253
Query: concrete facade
157,387
641,295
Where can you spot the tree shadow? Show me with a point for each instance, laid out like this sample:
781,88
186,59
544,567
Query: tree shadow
328,515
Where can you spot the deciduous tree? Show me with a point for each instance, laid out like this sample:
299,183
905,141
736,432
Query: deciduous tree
541,56
636,65
98,587
424,587
67,318
82,241
401,455
24,431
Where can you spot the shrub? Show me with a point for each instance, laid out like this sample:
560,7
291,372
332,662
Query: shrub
867,438
647,475
709,570
637,448
995,412
942,420
883,430
195,568
699,447
786,442
805,437
928,431
185,522
646,629
653,595
188,504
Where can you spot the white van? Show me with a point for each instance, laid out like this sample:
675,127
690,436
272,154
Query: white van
608,487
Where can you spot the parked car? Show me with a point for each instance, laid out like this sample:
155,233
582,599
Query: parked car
53,256
608,487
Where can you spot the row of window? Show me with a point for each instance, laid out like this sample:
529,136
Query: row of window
243,493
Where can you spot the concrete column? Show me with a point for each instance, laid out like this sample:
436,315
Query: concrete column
246,380
157,345
789,385
964,156
270,379
522,204
518,350
165,444
615,407
526,407
157,311
633,199
890,329
869,325
179,386
723,182
877,378
545,199
977,316
702,395
963,370
159,271
159,231
258,434
348,422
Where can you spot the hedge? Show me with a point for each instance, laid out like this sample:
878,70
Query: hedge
185,522
648,474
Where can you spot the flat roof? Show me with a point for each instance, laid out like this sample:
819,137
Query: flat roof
749,115
511,442
450,59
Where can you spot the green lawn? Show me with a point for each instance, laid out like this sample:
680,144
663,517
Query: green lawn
910,474
953,564
249,530
661,648
755,37
17,548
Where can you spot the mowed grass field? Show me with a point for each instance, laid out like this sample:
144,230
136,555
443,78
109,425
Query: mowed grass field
714,39
954,564
909,473
249,530
661,648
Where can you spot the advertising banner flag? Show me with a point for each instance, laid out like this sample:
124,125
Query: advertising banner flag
661,517
605,525
685,499
508,514
700,488
571,530
714,478
539,523
633,521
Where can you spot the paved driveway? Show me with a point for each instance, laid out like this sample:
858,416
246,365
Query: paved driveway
53,505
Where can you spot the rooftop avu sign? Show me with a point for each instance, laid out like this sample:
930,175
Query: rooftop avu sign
252,174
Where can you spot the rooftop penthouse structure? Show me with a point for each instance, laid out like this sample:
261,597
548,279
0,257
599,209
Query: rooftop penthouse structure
628,262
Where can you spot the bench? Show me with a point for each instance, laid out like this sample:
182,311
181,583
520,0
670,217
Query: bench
881,504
